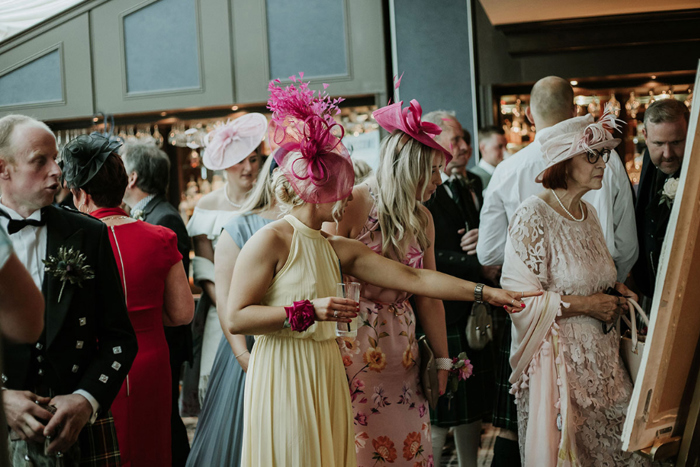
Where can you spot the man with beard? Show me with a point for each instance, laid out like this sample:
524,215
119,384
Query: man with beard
665,130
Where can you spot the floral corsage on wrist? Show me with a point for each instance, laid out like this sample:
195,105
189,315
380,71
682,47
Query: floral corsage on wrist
69,266
300,315
459,369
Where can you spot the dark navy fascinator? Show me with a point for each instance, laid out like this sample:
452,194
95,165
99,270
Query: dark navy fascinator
84,156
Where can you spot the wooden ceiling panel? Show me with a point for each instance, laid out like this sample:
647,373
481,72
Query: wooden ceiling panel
502,12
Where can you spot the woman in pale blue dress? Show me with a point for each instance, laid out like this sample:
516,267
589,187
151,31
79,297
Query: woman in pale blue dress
217,440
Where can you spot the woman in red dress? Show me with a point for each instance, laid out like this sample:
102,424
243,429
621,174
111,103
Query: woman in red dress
156,291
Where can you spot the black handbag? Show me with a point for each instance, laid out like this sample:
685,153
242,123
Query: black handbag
479,326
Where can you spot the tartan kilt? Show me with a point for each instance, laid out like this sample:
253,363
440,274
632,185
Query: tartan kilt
98,444
505,412
474,397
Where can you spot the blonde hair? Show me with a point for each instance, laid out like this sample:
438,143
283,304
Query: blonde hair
362,170
288,199
262,197
400,176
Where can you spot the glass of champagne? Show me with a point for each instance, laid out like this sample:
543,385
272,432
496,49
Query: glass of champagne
349,290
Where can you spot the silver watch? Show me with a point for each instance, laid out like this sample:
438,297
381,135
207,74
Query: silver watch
479,293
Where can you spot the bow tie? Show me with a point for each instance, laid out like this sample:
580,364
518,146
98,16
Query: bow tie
16,225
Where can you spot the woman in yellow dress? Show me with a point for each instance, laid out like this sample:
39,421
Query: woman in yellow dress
297,404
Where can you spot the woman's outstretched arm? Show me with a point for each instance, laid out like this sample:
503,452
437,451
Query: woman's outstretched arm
361,262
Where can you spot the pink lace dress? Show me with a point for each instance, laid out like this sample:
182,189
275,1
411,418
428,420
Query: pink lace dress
391,417
571,258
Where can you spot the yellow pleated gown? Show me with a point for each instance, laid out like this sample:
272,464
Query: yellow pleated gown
297,404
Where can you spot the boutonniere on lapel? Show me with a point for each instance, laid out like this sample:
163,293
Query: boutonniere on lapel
668,192
69,266
137,214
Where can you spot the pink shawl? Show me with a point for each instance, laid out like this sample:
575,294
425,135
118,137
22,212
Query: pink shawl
537,363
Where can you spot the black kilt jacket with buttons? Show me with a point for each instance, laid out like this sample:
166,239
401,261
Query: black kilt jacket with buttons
652,221
88,342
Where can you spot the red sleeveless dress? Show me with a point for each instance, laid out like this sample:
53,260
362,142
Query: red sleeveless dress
144,254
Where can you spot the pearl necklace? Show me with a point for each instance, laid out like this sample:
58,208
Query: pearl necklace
229,199
580,205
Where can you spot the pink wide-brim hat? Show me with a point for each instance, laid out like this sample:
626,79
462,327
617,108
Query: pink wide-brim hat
392,117
576,136
231,143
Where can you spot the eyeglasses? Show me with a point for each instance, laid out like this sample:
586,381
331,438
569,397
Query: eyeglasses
593,155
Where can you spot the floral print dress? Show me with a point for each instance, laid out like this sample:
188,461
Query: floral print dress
391,417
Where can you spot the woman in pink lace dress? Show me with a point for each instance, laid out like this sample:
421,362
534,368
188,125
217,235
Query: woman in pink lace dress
571,387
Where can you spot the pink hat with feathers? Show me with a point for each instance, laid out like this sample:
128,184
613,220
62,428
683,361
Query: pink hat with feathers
576,136
231,143
311,154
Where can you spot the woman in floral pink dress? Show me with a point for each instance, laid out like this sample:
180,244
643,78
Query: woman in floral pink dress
391,416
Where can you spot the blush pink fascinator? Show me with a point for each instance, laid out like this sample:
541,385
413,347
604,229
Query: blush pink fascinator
310,155
229,144
576,136
392,117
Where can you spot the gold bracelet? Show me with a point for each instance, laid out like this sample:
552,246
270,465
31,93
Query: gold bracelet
241,354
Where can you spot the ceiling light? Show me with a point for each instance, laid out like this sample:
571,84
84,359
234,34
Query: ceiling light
653,76
234,108
573,82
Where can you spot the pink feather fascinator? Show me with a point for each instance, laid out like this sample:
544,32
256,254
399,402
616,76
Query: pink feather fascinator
310,154
231,143
576,136
392,117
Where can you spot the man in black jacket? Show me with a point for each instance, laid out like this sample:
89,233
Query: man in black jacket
455,209
77,366
149,171
665,130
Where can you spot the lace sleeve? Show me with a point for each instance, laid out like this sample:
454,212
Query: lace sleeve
527,234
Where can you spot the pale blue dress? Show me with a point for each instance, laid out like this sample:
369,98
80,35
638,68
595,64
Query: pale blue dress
217,440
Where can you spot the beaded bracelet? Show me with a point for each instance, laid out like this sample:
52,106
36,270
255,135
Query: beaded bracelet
443,363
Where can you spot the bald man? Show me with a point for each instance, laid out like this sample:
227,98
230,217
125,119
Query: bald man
513,181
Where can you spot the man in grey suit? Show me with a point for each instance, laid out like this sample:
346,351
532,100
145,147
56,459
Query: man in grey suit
149,171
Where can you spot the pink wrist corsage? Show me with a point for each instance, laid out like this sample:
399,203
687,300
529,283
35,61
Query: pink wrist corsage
300,315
